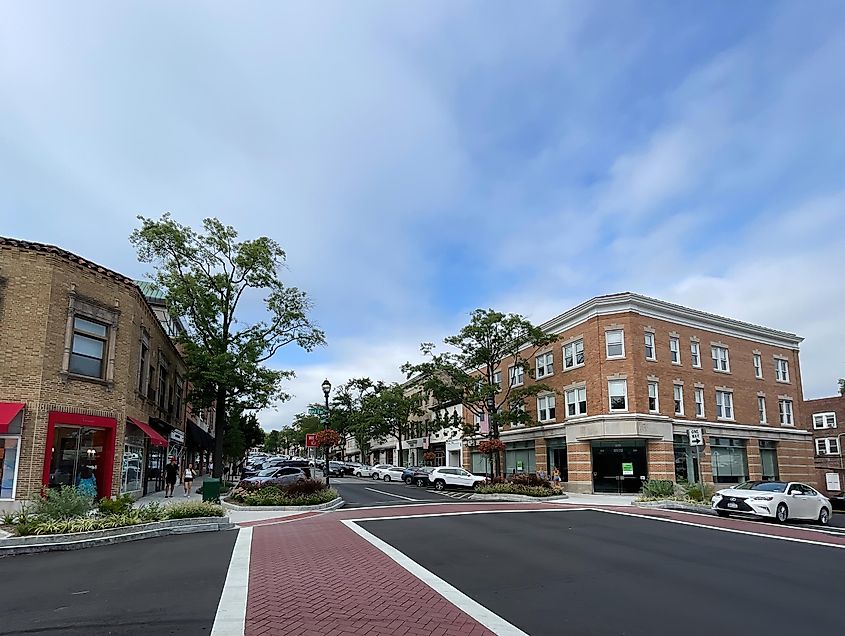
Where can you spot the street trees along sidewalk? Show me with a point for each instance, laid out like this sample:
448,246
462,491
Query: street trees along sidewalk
466,375
206,276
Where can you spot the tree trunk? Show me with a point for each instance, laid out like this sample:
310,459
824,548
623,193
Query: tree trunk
219,427
399,438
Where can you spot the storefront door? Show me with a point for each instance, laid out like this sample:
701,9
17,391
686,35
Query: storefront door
154,473
619,466
77,458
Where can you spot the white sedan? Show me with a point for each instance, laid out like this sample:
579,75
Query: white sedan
779,500
379,470
362,470
392,473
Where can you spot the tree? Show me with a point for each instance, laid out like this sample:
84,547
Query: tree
388,411
273,442
841,386
242,433
347,413
206,278
467,374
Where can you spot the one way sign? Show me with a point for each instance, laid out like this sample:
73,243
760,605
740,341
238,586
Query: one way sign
695,437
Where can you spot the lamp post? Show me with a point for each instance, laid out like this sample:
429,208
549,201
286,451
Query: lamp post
327,387
490,403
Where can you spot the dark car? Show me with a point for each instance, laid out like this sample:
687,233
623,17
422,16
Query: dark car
408,474
420,477
336,469
838,501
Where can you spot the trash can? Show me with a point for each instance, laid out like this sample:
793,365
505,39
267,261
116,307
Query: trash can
211,489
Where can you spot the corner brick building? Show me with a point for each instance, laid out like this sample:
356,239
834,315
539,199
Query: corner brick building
90,383
825,417
630,375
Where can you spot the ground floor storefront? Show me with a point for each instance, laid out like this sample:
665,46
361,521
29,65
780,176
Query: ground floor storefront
605,457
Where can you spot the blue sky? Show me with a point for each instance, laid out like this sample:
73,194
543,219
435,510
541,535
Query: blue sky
420,159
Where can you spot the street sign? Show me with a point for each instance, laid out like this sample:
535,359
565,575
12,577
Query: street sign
627,469
316,409
311,440
696,438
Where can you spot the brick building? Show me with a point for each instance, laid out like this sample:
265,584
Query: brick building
90,382
630,375
825,417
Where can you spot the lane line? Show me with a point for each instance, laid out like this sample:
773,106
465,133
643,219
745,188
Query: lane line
491,621
390,494
722,529
230,619
464,512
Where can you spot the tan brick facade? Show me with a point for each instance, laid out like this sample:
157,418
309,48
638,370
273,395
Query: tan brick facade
659,428
41,290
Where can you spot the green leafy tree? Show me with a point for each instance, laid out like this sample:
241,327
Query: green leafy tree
348,416
242,433
207,278
389,411
466,374
273,442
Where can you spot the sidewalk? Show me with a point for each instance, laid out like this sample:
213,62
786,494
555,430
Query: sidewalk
178,495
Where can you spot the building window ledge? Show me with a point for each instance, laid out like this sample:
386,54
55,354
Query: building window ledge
67,375
721,371
574,366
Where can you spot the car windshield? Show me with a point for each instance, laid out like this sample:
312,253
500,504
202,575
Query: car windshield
765,486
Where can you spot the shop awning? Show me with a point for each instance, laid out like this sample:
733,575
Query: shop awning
156,438
198,438
8,412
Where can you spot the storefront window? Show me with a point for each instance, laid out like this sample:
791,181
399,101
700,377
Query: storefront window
8,466
686,464
519,457
480,464
77,458
558,459
730,461
769,460
133,462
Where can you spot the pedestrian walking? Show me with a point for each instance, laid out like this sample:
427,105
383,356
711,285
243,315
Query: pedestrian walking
188,479
170,473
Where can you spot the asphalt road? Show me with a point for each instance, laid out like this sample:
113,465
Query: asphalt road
169,585
358,493
592,573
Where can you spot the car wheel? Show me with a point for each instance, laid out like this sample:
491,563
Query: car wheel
723,513
420,482
440,485
824,516
358,474
782,513
409,481
387,478
375,475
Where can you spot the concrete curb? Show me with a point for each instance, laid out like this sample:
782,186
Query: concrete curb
331,505
516,498
79,540
668,504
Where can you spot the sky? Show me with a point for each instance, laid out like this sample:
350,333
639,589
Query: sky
418,160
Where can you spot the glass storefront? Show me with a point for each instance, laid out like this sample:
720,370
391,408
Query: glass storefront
156,459
730,460
686,463
8,465
133,462
480,463
77,458
520,458
558,458
619,466
769,460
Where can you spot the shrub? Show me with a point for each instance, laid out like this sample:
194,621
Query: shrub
306,487
658,488
530,479
120,505
80,524
516,489
62,503
191,509
695,493
152,511
275,496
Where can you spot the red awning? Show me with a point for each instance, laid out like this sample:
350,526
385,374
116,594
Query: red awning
8,412
155,438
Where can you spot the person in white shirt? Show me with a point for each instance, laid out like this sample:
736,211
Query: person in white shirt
188,479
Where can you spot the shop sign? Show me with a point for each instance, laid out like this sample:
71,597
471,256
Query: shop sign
520,466
177,436
832,481
311,440
417,442
627,469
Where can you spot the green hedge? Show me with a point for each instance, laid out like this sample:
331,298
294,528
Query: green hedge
516,489
274,496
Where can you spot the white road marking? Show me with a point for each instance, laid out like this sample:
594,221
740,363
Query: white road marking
465,512
390,494
491,621
230,619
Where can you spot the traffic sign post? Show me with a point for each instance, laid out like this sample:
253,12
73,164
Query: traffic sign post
311,440
696,440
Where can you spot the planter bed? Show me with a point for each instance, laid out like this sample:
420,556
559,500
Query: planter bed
78,540
331,505
512,497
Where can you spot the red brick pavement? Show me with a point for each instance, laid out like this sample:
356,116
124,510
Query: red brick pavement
315,576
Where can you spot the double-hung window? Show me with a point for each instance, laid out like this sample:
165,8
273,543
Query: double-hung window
758,366
824,420
761,408
545,365
650,353
576,401
573,354
695,354
675,350
721,361
781,370
653,403
546,408
699,402
497,380
679,399
785,410
143,377
724,405
88,348
615,343
617,391
517,375
827,446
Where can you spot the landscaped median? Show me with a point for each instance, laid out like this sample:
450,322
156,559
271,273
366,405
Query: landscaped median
518,488
308,494
665,494
66,519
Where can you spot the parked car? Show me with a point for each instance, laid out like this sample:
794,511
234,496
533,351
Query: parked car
779,500
353,466
420,476
336,469
408,474
378,470
363,470
838,501
444,477
393,473
283,475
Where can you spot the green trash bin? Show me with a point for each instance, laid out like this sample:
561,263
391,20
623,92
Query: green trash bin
211,489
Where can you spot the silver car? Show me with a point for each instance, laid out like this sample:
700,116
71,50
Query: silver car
282,475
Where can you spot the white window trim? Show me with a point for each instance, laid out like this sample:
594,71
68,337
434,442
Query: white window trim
537,369
512,375
757,361
17,465
791,412
674,388
699,391
786,370
765,418
554,405
622,355
721,417
826,443
677,341
646,336
695,347
575,364
610,397
656,396
578,412
498,384
824,415
727,368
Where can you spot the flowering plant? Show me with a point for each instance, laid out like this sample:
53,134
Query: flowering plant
488,446
328,437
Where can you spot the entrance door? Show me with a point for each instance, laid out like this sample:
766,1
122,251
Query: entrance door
619,466
77,458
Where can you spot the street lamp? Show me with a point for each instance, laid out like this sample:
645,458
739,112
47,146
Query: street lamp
327,387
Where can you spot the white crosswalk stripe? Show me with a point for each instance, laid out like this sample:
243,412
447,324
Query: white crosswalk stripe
452,493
